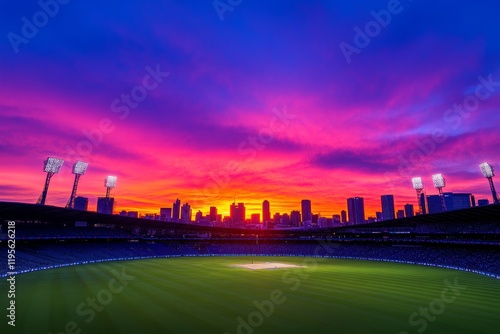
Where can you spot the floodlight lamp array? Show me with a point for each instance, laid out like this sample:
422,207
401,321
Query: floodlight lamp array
110,182
417,183
53,165
487,170
438,181
80,167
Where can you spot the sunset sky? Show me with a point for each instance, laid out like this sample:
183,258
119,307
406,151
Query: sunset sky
280,100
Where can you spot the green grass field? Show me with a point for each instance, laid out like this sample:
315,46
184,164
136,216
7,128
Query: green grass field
207,295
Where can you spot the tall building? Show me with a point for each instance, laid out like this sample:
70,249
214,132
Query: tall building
233,212
343,216
409,211
266,211
285,219
81,203
165,214
199,216
423,204
213,214
238,212
314,220
255,218
105,205
378,216
186,213
400,214
387,207
306,210
335,220
277,218
176,210
295,218
356,210
242,212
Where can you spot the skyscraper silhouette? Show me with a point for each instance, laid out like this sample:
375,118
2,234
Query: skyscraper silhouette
266,211
409,211
387,207
176,210
213,214
186,213
356,210
306,210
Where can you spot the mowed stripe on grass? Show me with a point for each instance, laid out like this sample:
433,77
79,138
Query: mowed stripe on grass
208,295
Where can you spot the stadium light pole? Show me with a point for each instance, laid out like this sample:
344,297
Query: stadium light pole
109,183
52,166
439,184
418,185
488,173
79,168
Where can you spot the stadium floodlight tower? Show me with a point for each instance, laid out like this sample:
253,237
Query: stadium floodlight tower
79,168
51,166
109,183
488,173
439,184
418,185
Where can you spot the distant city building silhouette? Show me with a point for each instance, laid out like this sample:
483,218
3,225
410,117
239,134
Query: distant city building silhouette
423,203
176,210
483,202
314,220
238,212
335,220
457,201
378,216
165,214
285,219
199,216
453,201
133,214
105,205
387,207
213,214
266,211
255,218
356,210
81,203
409,210
186,214
306,210
343,216
400,214
295,218
324,222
